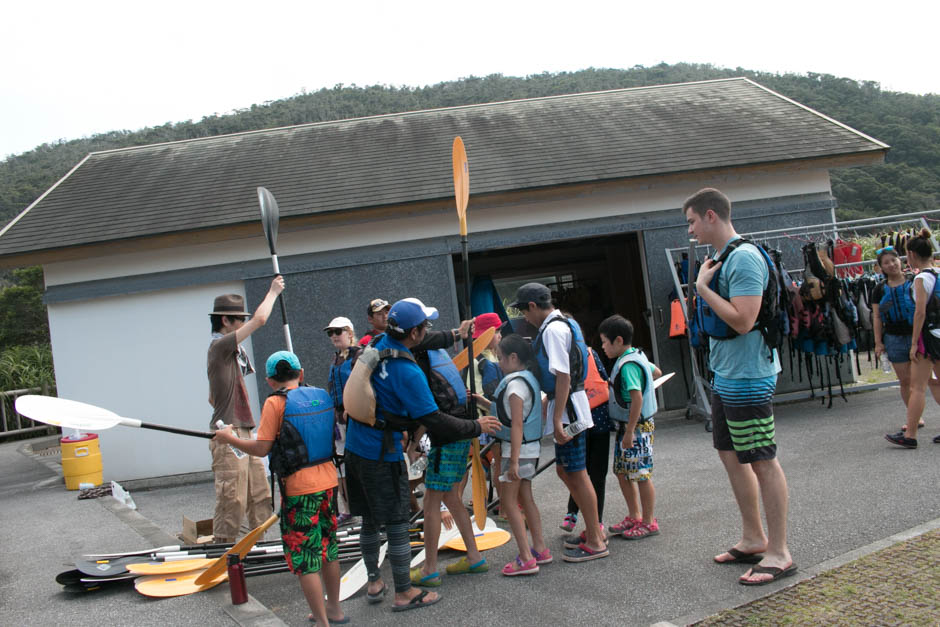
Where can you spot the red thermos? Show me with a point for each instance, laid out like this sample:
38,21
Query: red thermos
236,580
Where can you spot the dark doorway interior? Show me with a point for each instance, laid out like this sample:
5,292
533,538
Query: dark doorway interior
590,278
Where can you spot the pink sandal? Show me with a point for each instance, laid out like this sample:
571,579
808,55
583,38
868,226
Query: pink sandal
518,567
642,530
545,557
624,525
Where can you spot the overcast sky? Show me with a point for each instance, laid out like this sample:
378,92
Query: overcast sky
73,69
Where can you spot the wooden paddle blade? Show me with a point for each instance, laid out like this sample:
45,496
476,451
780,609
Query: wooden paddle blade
241,548
479,486
461,182
62,412
462,360
270,216
176,585
169,568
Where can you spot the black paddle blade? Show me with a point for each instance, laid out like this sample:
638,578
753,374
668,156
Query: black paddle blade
68,577
270,216
106,568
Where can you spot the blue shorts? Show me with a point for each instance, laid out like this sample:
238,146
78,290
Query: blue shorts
897,348
573,455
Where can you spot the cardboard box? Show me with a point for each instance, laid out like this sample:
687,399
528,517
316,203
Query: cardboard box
196,531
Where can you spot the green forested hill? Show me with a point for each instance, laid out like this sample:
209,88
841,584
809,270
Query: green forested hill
909,180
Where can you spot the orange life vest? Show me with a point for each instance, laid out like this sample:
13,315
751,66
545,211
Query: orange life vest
594,385
676,320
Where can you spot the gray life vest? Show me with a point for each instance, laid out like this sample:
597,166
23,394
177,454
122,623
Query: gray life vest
619,410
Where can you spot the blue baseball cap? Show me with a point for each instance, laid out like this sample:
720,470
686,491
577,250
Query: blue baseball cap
270,366
408,313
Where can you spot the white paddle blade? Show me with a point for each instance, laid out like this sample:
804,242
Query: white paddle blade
358,575
658,382
62,412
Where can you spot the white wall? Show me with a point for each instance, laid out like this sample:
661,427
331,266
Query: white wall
142,356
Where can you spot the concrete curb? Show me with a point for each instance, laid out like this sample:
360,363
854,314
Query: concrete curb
810,573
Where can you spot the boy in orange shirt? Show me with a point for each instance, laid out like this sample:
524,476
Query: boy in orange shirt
297,430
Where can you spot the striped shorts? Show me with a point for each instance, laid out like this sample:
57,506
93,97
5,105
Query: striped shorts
743,417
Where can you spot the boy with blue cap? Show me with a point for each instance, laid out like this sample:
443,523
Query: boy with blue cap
376,474
297,430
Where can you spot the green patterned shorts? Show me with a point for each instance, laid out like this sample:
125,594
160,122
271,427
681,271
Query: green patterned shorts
308,531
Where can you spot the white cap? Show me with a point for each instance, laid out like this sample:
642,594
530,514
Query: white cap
339,322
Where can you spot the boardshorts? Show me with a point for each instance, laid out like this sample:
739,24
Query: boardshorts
636,462
743,417
446,465
308,531
573,455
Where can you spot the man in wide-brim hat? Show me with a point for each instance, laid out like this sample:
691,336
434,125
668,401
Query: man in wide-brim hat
241,485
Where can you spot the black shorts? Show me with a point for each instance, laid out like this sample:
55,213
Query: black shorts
743,418
377,490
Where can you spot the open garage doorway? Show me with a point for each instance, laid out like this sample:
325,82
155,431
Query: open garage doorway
590,278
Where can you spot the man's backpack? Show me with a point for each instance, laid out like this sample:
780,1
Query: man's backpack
358,395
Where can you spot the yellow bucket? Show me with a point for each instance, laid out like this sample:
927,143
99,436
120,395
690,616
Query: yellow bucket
81,461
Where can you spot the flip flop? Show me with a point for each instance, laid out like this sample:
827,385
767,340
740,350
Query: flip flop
378,596
333,621
415,603
776,573
740,557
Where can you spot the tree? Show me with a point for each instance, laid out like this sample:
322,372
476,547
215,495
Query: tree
23,320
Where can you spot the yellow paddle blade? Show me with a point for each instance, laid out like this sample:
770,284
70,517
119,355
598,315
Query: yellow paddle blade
241,549
486,539
175,585
479,485
462,360
169,568
461,182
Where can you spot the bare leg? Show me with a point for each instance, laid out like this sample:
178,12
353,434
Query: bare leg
903,371
630,495
773,488
532,516
330,576
462,520
920,374
579,485
432,529
647,499
313,592
747,494
516,522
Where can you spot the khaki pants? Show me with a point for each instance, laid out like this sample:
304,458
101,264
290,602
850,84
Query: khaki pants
241,489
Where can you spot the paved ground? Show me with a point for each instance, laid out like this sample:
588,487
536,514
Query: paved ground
849,489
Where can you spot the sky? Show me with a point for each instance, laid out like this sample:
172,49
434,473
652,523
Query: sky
74,69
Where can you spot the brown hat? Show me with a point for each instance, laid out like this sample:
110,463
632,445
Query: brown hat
229,305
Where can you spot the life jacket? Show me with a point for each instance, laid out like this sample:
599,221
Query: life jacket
577,358
768,324
677,327
532,423
306,437
490,376
339,374
595,386
932,318
618,408
448,388
896,308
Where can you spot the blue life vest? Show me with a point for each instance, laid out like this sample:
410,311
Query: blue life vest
306,437
443,365
619,410
339,374
896,308
709,324
577,358
490,376
532,422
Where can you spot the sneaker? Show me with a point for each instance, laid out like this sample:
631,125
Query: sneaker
623,525
641,530
518,567
901,440
573,541
545,557
583,553
570,522
936,439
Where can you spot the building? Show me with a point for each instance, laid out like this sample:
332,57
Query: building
582,191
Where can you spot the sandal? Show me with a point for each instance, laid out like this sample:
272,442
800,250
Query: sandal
377,597
333,621
740,557
430,581
545,557
464,567
415,603
623,525
518,567
641,530
774,572
570,522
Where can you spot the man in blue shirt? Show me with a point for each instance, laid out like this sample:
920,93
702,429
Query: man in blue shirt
745,371
376,474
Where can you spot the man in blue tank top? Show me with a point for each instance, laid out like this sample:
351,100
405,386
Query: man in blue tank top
742,391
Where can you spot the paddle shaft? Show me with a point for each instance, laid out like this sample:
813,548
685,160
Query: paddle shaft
280,299
168,429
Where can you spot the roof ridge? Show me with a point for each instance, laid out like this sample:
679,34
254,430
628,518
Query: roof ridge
417,112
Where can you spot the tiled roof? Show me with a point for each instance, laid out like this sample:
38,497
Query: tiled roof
400,158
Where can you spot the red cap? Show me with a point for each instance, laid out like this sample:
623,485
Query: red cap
483,322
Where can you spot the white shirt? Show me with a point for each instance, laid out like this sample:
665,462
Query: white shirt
519,388
557,342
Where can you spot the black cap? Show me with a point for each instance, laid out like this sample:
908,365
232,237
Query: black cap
532,293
